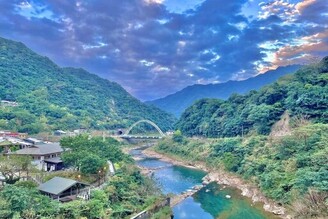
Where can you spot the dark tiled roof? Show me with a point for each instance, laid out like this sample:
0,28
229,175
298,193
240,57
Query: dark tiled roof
53,160
41,149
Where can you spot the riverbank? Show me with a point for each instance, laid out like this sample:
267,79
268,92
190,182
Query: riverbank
227,179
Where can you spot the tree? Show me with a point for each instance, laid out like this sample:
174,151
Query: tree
91,164
18,197
10,168
83,150
5,211
177,136
230,162
95,208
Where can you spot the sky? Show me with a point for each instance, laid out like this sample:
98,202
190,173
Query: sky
156,47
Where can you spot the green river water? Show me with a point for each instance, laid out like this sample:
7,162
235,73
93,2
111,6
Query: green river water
208,203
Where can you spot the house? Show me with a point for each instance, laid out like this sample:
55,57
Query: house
59,133
64,189
6,143
13,134
33,141
40,152
18,142
53,164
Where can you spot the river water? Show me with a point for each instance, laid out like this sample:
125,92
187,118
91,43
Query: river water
208,203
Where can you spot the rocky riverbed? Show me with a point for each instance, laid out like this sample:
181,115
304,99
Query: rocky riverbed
227,179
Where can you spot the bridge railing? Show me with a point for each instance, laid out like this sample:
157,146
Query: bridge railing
144,121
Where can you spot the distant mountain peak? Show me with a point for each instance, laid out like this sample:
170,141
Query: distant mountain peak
176,103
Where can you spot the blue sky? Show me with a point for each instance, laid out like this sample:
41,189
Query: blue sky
156,47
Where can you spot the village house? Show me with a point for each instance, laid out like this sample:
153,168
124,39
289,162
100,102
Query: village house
33,141
46,156
12,134
64,190
7,143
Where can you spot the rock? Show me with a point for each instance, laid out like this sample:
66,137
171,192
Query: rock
274,209
278,211
197,187
267,207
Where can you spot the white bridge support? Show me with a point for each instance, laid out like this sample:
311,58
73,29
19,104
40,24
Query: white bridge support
145,121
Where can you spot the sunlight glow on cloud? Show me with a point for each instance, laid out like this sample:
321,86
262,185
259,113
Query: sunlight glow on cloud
303,4
166,45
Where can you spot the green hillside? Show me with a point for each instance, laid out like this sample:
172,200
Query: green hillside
51,97
304,95
275,138
176,103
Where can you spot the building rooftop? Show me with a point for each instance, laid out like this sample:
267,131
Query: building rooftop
53,160
41,149
17,141
5,143
58,185
33,140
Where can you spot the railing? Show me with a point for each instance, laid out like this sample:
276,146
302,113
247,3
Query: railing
81,193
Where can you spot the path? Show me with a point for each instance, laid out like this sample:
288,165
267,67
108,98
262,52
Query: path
101,182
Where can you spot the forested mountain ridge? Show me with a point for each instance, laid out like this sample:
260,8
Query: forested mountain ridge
51,97
176,103
275,138
303,94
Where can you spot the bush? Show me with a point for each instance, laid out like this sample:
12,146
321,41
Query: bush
26,184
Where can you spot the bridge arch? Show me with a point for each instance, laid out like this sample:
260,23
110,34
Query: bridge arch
145,121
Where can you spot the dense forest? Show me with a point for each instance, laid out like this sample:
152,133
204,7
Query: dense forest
303,95
275,138
291,170
50,97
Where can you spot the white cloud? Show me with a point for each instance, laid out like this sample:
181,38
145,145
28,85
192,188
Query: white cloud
159,68
154,1
146,63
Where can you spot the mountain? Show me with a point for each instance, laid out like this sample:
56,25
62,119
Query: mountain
302,96
50,97
176,103
275,138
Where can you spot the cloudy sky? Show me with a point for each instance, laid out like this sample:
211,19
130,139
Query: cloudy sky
157,47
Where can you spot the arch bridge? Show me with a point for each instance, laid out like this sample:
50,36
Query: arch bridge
128,136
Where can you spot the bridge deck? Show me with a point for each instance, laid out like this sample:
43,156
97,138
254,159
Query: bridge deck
140,137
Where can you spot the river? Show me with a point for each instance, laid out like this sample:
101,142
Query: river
210,202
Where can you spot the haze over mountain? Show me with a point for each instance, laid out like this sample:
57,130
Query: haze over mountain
176,103
51,97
